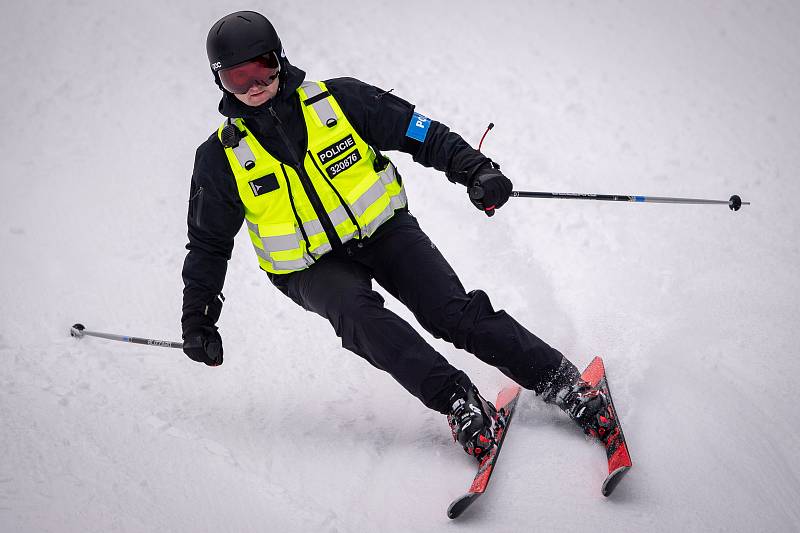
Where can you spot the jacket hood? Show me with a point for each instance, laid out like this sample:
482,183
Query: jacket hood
290,80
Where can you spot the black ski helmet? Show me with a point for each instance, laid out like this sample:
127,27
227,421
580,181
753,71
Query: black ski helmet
239,37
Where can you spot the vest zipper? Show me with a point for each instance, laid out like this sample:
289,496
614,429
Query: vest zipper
308,186
294,210
339,196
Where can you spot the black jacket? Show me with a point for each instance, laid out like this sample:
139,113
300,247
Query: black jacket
216,212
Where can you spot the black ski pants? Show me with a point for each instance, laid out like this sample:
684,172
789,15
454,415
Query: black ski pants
404,261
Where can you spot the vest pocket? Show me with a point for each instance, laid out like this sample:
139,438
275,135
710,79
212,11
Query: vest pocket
280,247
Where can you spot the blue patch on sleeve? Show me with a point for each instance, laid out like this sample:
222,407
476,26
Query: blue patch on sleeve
418,127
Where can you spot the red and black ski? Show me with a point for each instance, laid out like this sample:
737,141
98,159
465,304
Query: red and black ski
506,402
619,460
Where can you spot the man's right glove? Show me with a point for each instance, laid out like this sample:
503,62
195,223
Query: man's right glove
203,345
489,189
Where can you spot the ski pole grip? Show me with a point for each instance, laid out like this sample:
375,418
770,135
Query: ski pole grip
476,192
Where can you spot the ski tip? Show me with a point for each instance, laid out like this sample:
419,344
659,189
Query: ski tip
613,480
76,330
459,506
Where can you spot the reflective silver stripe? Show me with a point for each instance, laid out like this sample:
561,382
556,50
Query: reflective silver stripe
385,215
371,195
322,249
388,175
313,227
262,253
293,264
400,200
338,215
322,108
244,155
280,243
311,88
252,227
326,247
276,243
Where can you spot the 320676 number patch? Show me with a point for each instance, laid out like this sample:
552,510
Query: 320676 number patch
343,164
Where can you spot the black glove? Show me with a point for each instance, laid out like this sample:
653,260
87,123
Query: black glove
203,345
489,189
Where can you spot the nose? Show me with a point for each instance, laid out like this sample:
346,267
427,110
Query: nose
256,88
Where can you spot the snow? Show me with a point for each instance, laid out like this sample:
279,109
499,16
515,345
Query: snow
693,307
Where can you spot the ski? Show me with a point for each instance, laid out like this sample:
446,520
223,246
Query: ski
619,460
506,401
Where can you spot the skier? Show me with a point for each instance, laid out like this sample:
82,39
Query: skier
302,163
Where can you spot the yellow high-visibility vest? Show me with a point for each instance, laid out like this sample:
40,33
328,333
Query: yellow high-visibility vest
359,191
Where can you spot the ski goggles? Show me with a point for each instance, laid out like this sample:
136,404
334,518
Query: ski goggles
262,70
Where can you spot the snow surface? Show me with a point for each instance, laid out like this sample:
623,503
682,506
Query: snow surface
693,307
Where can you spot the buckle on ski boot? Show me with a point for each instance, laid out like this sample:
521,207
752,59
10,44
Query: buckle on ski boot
472,421
592,410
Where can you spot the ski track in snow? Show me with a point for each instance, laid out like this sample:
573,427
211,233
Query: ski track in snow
692,307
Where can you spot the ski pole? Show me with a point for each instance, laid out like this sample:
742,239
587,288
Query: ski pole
734,203
79,330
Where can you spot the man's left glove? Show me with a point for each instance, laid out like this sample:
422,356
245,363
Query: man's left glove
203,345
489,189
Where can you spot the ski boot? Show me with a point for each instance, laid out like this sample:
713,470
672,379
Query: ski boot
589,407
472,421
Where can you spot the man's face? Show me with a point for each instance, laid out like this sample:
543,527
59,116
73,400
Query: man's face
257,94
255,81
